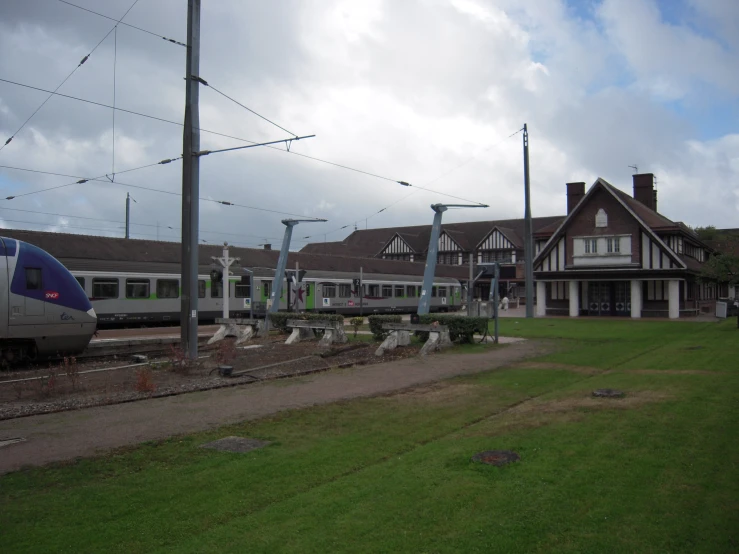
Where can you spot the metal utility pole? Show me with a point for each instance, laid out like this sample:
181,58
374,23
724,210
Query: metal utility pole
361,291
470,286
191,187
226,262
274,300
528,245
494,297
424,302
128,215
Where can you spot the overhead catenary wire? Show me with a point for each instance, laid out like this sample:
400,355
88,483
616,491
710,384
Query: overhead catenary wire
204,82
54,92
173,41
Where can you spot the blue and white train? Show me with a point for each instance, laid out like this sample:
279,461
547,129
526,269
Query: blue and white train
43,310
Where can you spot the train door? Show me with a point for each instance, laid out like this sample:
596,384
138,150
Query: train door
310,296
4,292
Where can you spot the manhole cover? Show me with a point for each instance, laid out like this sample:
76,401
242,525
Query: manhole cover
8,442
609,393
235,444
496,457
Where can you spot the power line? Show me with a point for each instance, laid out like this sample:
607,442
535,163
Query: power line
126,24
51,93
204,82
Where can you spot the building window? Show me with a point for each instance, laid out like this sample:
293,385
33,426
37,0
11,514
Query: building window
33,278
104,288
137,288
345,291
559,290
329,290
399,291
601,218
591,246
387,291
617,245
168,288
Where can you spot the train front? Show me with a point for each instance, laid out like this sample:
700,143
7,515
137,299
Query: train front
48,312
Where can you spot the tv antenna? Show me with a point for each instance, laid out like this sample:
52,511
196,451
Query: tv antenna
635,168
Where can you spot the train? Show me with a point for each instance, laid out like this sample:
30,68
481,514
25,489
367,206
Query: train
127,298
44,312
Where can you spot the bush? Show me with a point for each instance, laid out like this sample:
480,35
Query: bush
356,322
461,329
376,321
279,320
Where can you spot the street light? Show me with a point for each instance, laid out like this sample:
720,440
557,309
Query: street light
433,251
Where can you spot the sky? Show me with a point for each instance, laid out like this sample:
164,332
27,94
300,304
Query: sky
423,91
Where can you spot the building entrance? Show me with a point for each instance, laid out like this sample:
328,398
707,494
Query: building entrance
609,298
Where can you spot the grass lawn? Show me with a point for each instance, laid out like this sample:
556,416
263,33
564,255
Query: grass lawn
655,471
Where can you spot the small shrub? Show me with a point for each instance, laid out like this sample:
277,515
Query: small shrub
48,385
461,329
145,380
180,360
376,321
72,371
225,352
356,322
279,320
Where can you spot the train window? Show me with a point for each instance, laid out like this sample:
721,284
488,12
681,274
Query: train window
345,291
442,292
216,289
329,290
201,288
373,290
307,290
104,288
137,288
411,291
33,278
433,292
243,288
399,291
81,281
387,291
168,288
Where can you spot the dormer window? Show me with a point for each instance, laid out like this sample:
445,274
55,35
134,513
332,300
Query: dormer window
601,218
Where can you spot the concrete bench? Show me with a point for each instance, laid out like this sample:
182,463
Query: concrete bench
242,329
333,331
400,335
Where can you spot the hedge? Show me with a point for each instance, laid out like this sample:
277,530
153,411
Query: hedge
279,320
376,321
461,328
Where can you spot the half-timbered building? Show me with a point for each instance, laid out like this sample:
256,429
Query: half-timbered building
615,255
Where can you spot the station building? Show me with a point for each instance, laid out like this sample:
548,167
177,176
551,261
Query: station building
615,255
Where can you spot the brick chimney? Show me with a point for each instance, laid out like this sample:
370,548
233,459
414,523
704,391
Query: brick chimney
268,247
644,190
575,193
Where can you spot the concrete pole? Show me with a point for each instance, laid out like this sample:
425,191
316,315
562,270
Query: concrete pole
190,187
128,215
528,238
428,275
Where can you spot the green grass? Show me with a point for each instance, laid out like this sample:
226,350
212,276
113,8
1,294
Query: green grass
654,472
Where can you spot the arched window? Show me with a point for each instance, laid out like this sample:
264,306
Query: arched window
601,218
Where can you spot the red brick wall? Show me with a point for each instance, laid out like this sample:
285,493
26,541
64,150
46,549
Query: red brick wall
620,222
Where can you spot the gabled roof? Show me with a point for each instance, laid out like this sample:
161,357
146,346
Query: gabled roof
402,238
507,232
644,216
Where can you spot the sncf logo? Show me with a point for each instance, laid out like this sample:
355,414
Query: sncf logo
52,295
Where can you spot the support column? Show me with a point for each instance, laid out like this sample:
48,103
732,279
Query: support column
574,298
541,299
636,299
674,298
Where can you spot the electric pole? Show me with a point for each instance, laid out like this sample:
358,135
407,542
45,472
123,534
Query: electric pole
128,215
191,187
528,244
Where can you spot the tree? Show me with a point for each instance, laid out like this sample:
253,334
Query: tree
721,268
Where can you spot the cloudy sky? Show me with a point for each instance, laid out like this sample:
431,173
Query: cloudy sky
423,91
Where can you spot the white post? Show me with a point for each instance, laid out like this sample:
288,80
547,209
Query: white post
674,298
574,299
636,299
541,299
226,283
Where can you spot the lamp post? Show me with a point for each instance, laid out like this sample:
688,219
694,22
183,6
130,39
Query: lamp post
433,252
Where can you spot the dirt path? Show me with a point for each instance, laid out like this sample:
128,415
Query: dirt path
66,435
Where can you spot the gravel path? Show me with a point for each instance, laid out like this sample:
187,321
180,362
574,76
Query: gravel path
67,435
